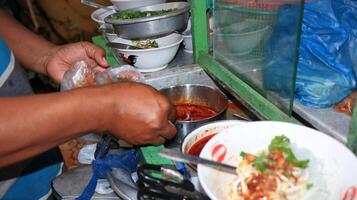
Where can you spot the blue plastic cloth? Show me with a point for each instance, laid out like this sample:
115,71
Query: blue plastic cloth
181,167
128,161
5,54
328,52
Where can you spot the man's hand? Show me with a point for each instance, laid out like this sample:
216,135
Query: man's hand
37,54
136,113
61,58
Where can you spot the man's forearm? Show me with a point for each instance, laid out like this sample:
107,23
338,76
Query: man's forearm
34,124
30,49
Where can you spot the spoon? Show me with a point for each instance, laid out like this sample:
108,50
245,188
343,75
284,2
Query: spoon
122,46
240,117
95,5
186,158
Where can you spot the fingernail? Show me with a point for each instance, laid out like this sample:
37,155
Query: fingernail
105,60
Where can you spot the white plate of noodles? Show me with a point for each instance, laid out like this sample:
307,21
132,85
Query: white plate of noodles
278,160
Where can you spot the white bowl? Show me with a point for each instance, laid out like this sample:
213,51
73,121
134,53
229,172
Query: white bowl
243,37
206,131
187,36
150,60
332,166
187,41
110,36
99,15
129,4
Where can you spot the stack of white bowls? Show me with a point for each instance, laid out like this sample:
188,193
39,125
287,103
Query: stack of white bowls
145,60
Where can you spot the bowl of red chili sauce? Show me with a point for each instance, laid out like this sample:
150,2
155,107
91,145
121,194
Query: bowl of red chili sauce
194,142
195,105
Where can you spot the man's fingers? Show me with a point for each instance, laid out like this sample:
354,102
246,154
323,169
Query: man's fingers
91,63
94,65
159,140
169,107
169,131
95,53
172,115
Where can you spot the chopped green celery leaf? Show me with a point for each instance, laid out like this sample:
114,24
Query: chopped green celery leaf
291,158
301,163
140,14
309,186
260,162
286,174
279,142
283,143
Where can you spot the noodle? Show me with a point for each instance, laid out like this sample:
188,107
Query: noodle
275,174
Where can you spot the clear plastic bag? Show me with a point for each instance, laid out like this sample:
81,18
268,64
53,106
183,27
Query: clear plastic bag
81,75
123,73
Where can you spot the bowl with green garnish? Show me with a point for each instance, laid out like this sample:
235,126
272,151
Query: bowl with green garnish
150,21
129,4
150,54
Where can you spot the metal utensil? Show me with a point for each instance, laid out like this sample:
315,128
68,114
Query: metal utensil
186,158
240,117
94,5
122,46
171,184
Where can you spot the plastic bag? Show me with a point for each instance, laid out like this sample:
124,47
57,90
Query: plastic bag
325,72
347,105
80,75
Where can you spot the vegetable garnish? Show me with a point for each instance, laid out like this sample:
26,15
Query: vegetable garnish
140,14
279,143
145,44
283,143
272,174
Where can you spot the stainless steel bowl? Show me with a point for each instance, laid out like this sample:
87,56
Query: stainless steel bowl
199,95
148,27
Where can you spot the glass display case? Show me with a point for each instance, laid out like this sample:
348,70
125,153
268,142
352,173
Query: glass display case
245,35
253,52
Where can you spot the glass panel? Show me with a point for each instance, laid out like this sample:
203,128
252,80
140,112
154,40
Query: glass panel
252,37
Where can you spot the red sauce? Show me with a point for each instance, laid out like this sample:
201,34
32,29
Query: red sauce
260,186
191,112
198,146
